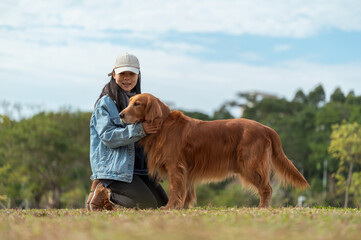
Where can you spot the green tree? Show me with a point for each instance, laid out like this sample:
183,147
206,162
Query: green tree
222,113
197,115
345,145
317,96
300,97
45,157
338,96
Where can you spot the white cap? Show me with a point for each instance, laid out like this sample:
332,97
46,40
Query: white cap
126,62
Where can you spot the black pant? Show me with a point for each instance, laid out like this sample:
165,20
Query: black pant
143,192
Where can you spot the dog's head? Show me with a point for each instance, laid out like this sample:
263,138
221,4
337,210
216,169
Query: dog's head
144,107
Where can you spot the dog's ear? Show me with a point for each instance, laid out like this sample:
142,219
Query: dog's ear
153,110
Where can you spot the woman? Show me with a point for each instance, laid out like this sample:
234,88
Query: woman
118,164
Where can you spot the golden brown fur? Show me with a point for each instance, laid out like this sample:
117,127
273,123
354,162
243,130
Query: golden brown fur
191,151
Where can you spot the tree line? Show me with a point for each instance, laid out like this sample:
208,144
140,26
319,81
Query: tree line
44,159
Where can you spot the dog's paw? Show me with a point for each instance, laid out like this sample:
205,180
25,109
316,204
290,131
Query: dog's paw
171,207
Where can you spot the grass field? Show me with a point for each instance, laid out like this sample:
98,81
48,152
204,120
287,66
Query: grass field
196,223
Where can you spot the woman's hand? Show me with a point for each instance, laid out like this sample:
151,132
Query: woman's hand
151,127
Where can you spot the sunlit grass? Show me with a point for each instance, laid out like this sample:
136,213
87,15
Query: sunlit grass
196,223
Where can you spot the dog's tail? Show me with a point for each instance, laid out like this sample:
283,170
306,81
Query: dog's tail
285,171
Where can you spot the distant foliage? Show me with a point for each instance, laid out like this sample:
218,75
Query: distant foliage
44,159
345,145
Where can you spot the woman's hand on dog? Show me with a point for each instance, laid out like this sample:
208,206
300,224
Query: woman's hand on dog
151,127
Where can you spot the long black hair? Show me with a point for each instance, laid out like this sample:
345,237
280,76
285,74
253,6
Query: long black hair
118,95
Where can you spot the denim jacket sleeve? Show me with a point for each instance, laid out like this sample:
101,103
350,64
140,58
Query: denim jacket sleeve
114,133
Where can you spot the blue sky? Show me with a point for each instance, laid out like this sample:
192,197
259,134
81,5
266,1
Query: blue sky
195,55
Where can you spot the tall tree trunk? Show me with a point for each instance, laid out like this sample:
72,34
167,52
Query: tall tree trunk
54,198
37,199
349,178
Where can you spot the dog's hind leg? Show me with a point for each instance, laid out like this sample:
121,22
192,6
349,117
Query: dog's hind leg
265,194
191,197
263,187
257,172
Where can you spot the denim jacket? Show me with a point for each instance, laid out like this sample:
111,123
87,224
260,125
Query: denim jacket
112,148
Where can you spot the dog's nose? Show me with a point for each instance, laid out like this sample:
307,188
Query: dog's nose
121,115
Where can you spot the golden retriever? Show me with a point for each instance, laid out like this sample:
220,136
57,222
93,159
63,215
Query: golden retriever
191,151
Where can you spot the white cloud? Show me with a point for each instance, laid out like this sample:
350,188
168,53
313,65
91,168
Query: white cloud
46,55
296,18
250,56
74,75
282,48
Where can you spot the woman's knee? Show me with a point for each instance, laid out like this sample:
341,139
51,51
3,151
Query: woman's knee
122,200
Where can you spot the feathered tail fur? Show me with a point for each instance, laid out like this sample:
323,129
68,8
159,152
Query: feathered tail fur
285,171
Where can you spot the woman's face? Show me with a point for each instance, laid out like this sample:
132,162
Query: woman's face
126,80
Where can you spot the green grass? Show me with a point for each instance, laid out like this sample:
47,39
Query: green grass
196,223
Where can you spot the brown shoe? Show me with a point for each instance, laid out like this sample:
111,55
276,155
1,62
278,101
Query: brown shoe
99,197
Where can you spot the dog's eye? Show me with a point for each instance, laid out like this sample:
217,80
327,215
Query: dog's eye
136,104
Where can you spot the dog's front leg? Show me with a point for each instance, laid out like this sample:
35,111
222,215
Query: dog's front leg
177,187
